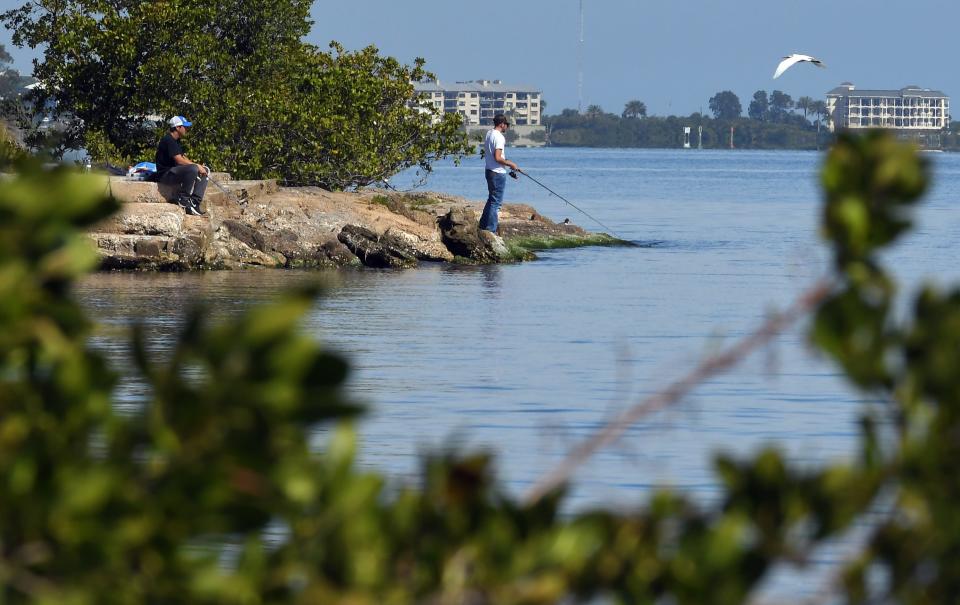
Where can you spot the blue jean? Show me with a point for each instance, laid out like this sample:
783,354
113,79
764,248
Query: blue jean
496,183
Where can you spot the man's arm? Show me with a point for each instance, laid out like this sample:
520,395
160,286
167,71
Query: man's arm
498,156
183,160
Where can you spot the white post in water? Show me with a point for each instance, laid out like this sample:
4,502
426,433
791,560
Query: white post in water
686,137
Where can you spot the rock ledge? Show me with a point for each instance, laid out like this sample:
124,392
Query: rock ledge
258,223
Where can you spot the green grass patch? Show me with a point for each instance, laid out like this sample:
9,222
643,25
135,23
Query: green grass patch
405,204
552,242
516,254
419,202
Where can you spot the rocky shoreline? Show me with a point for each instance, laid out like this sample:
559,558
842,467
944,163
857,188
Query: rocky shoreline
260,224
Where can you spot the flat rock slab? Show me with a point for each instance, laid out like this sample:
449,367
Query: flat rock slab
145,219
135,191
242,192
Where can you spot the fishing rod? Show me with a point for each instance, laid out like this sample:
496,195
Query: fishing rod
229,194
585,213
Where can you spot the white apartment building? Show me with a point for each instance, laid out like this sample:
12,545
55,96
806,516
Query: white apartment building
911,110
479,100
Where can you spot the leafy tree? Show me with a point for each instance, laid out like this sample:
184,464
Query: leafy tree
538,136
9,78
572,129
11,82
725,105
759,108
819,109
805,104
264,103
780,106
10,151
635,109
594,111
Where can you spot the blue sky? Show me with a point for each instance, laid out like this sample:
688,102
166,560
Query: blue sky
672,55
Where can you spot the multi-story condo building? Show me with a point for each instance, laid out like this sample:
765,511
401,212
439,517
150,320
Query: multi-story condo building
478,101
912,110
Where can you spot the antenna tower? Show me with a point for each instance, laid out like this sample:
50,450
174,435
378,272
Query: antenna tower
580,65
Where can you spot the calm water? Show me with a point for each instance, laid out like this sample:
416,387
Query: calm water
527,359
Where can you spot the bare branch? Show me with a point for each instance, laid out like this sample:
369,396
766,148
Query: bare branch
714,364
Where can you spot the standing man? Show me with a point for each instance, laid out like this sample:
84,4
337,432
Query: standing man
496,171
175,168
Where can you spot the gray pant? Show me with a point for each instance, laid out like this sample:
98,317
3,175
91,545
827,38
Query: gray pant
185,181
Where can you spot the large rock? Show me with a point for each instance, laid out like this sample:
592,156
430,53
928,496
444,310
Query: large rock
379,251
521,220
149,252
145,219
333,253
239,193
424,249
228,251
461,234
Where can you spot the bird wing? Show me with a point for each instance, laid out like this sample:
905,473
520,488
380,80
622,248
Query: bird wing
786,64
813,60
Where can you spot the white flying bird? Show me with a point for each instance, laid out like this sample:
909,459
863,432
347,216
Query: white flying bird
795,58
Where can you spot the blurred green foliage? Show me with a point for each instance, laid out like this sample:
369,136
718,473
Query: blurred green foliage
9,150
264,104
212,492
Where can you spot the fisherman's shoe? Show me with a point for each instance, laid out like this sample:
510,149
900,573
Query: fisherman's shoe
187,205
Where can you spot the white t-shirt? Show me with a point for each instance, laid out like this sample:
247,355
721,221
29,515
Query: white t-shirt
493,141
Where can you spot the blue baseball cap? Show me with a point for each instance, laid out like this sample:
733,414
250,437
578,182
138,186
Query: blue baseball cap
180,121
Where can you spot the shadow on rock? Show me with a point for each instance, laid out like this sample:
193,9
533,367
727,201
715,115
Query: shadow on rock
461,234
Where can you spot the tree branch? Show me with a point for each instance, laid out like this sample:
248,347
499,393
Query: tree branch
714,364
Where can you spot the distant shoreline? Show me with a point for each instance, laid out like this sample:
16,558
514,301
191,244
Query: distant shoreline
701,131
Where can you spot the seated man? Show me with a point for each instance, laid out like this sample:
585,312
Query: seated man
175,168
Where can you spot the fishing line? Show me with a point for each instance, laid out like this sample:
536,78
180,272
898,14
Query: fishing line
584,212
229,194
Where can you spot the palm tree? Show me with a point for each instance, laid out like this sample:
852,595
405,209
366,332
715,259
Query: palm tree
806,104
819,109
635,109
594,111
